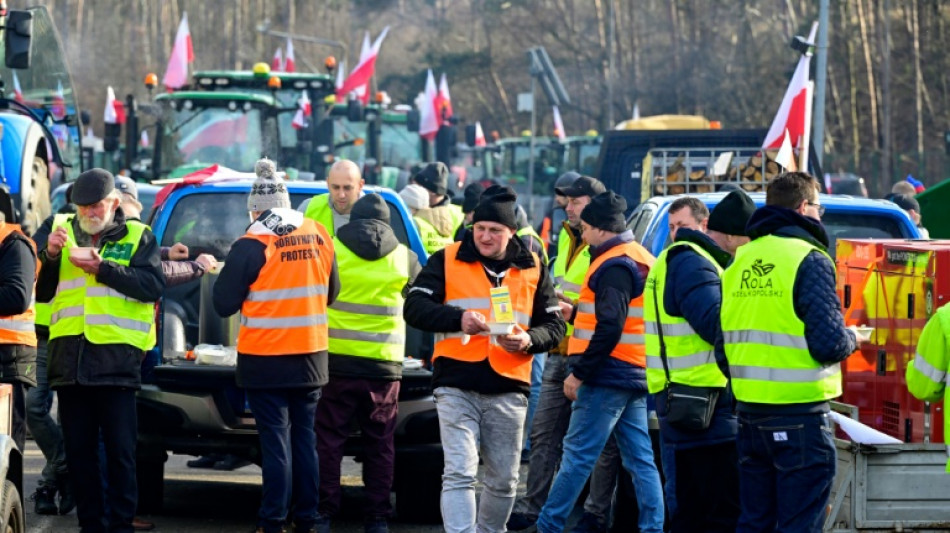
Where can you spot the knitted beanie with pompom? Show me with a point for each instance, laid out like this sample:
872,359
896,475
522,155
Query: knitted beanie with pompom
268,191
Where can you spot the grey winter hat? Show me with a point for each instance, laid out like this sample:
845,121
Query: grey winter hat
268,191
434,177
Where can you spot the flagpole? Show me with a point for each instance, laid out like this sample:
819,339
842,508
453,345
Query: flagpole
534,120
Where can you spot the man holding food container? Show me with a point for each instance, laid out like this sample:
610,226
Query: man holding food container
102,272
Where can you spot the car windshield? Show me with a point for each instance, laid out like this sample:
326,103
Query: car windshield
349,139
586,157
209,223
209,135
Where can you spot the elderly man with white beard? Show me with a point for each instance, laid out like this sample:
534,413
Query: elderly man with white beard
102,272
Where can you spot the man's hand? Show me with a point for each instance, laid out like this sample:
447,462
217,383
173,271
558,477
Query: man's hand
89,266
474,323
515,342
566,309
178,252
56,242
571,384
207,262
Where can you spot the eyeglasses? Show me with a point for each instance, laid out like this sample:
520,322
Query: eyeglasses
821,208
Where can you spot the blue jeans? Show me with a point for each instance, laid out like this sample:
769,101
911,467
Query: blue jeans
46,432
537,373
285,419
474,425
597,412
781,456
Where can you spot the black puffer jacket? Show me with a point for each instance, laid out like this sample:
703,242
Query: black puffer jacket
75,361
370,240
17,269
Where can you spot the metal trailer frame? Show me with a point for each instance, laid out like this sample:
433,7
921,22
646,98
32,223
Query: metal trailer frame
893,487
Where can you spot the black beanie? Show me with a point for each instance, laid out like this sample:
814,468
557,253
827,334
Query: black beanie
497,204
731,214
370,207
472,192
606,211
434,177
92,186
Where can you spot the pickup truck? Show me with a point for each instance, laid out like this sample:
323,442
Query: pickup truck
193,409
845,217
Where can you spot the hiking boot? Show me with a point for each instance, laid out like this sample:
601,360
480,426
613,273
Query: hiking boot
205,461
45,500
67,500
322,525
590,523
520,521
230,462
376,525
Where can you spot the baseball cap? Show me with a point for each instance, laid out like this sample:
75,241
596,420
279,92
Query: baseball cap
126,185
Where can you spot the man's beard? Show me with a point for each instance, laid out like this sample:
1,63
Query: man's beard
95,225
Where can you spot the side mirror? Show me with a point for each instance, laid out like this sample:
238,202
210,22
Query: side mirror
7,210
413,121
17,38
110,143
470,135
354,111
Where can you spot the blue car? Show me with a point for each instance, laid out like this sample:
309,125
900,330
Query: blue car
845,217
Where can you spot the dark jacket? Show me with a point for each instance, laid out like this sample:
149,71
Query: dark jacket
814,297
615,283
425,309
179,272
241,268
75,361
694,293
370,240
17,272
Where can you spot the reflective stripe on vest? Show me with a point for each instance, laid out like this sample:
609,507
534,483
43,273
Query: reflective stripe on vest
20,328
630,346
83,306
366,318
319,210
467,287
569,271
764,339
285,311
691,360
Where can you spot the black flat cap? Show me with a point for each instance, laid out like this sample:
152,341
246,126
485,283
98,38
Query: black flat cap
92,186
582,186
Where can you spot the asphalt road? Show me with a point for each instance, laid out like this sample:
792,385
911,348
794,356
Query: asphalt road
206,501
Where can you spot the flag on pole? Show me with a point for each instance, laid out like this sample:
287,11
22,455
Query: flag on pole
792,113
443,101
144,139
362,92
17,90
340,76
918,185
176,75
277,62
114,112
289,64
58,107
479,135
558,125
304,109
785,156
428,120
363,71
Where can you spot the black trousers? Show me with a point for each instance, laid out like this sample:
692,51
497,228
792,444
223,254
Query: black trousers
707,489
85,412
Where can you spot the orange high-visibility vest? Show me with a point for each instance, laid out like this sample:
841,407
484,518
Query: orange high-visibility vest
467,287
285,311
631,346
19,329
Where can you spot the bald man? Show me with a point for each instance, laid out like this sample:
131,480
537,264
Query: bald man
332,209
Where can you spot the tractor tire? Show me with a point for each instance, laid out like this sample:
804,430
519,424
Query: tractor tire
37,205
